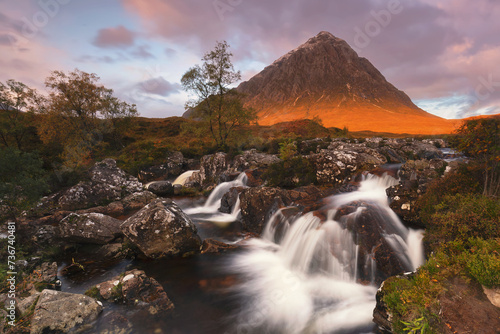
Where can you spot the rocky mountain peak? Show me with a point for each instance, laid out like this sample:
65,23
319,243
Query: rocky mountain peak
325,77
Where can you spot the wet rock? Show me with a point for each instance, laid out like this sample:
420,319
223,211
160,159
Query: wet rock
177,189
161,188
94,228
135,288
162,229
370,226
215,246
62,312
229,199
259,204
172,167
211,168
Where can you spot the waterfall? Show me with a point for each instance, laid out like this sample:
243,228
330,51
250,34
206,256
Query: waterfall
210,210
302,275
181,179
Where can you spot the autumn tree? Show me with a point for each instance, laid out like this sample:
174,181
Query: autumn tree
17,102
79,112
215,102
480,140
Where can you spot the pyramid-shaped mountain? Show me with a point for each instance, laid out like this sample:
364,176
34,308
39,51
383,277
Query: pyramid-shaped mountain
325,77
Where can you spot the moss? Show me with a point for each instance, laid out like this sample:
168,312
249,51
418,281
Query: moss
93,292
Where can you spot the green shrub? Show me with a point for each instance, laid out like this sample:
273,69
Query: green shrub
460,217
483,262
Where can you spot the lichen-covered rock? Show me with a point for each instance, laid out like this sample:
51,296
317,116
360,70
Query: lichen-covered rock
62,312
173,166
342,160
252,159
211,168
94,228
107,183
162,229
134,287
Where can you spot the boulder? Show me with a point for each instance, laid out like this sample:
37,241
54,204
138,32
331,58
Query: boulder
62,312
135,288
93,228
259,204
162,229
173,166
341,161
252,160
229,199
211,168
160,188
215,246
107,183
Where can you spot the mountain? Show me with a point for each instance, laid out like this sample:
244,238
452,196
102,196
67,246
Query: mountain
325,77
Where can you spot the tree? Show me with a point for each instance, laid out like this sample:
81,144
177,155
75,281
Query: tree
216,103
79,112
480,139
16,113
22,182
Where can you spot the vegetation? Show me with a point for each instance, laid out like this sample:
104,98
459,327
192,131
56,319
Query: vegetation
79,112
216,104
22,182
480,139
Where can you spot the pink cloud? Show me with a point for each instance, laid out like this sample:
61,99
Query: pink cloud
114,37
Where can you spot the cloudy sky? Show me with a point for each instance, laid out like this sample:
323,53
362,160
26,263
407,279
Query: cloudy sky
444,54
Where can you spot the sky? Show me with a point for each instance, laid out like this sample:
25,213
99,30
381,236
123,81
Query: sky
444,54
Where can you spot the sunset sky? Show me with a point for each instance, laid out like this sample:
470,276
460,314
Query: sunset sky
444,54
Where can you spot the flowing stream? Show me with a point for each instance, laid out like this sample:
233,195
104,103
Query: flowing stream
302,275
307,273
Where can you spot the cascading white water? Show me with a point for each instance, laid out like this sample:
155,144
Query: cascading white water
181,179
301,275
210,209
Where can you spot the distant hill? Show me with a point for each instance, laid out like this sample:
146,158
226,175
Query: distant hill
325,77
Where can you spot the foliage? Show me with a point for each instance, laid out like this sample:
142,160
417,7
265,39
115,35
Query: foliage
216,104
17,102
483,261
79,112
465,180
288,150
459,217
293,172
480,139
22,181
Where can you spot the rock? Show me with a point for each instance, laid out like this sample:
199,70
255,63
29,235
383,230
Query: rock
177,189
162,229
229,199
94,228
107,183
160,188
110,251
135,288
252,160
493,295
173,166
24,305
370,227
62,312
215,246
211,168
259,204
130,203
343,160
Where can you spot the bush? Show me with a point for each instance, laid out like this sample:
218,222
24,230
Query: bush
483,262
460,217
290,173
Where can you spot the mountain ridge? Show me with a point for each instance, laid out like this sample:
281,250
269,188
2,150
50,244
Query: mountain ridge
324,77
